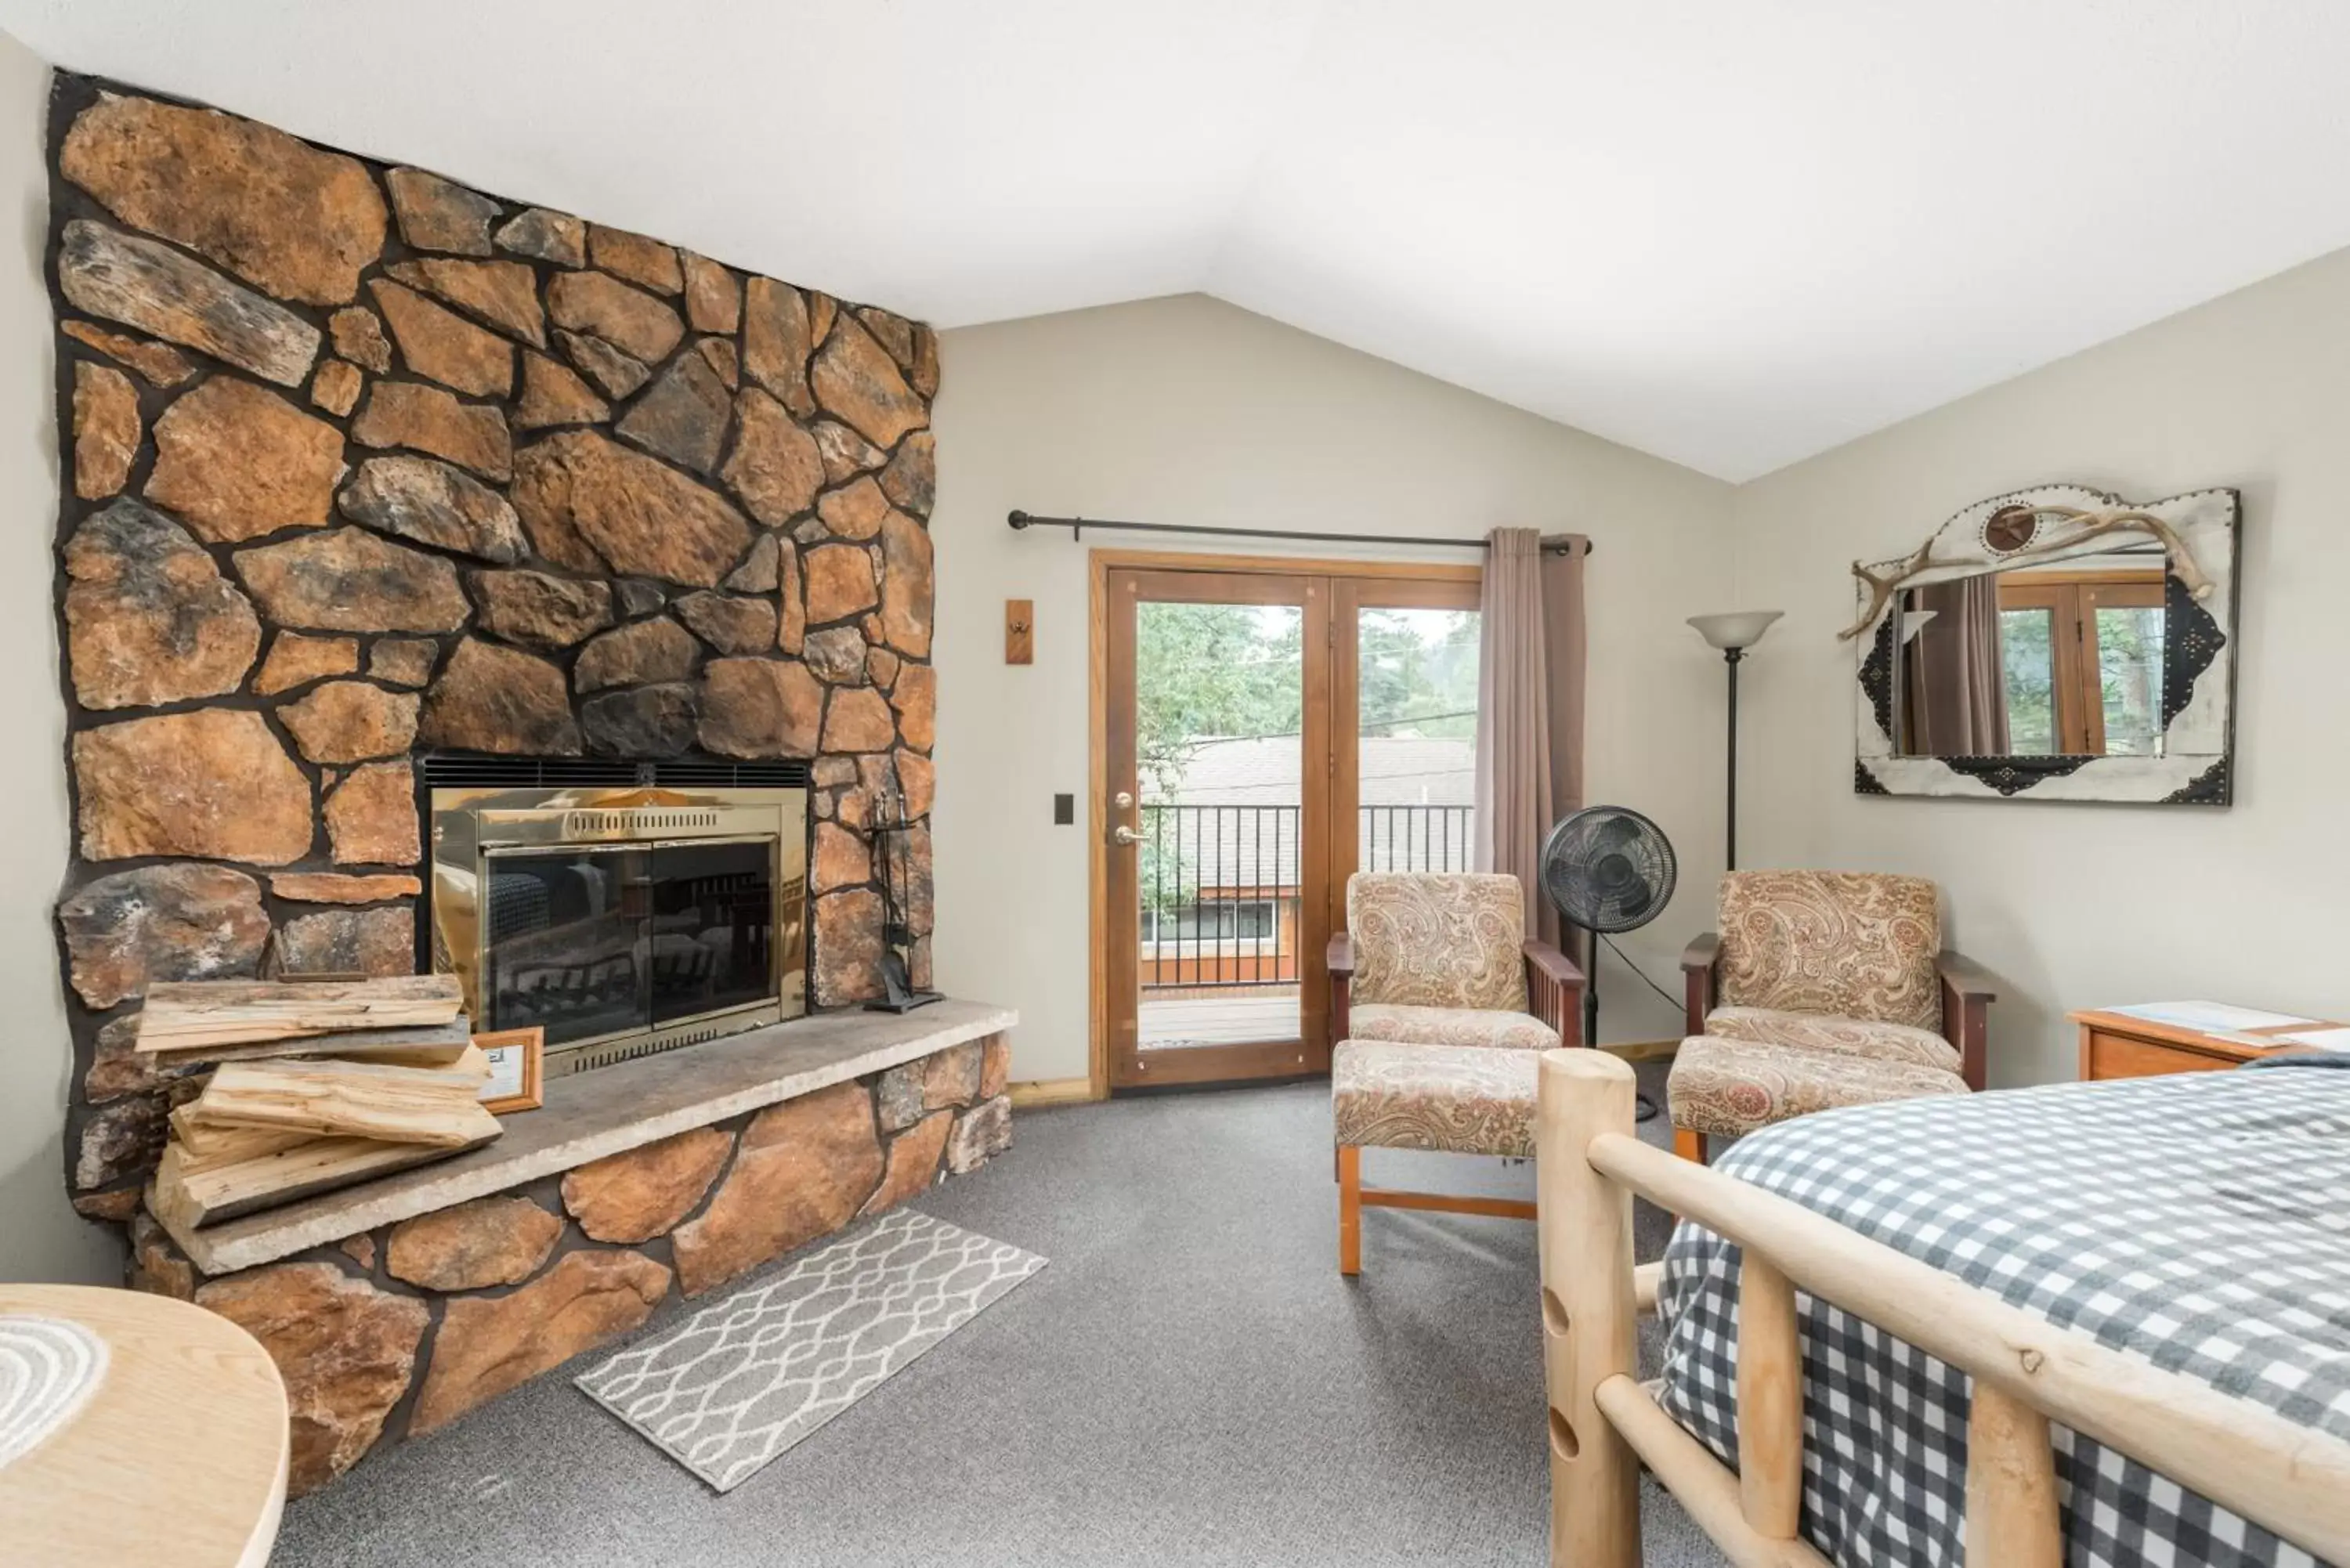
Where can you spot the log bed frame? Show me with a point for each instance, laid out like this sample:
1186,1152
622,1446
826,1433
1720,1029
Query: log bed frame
1605,1425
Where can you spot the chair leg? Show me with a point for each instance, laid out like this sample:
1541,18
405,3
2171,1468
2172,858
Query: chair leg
1690,1145
1350,1210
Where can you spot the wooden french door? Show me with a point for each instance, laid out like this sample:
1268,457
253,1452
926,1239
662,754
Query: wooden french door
1218,892
1233,805
1381,818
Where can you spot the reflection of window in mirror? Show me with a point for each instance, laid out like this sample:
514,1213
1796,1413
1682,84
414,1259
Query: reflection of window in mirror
2063,660
2082,656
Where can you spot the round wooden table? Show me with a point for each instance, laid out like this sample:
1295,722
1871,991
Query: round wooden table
165,1436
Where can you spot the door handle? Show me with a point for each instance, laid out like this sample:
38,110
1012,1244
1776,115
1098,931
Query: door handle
1125,834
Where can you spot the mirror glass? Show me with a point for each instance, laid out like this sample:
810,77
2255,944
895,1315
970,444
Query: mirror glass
2056,658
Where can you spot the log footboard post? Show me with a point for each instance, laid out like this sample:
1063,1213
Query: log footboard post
1585,1226
1770,1400
2011,1516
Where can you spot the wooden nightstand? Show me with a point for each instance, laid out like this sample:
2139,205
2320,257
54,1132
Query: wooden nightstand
2116,1045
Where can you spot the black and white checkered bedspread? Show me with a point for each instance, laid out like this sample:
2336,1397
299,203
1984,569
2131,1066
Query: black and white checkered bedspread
2201,1222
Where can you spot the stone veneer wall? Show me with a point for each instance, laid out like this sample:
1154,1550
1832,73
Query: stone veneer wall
362,463
395,1333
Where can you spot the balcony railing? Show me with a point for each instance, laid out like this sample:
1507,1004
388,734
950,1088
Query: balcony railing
1220,883
1414,837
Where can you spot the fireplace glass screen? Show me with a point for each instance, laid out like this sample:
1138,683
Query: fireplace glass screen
591,940
621,918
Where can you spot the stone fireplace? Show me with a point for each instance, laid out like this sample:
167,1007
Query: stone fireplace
381,492
363,465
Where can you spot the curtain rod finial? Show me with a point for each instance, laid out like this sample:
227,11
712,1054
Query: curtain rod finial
1018,518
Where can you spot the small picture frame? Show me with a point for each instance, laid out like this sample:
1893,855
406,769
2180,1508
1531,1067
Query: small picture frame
516,1056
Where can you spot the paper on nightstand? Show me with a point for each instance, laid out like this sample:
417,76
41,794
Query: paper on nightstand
2212,1015
2324,1039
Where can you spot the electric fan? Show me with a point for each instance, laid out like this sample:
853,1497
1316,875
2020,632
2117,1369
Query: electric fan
1608,870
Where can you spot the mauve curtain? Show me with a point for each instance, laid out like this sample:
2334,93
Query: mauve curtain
1529,708
1957,692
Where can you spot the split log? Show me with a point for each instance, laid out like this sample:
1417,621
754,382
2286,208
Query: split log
189,1015
185,1197
431,1046
398,1105
202,1147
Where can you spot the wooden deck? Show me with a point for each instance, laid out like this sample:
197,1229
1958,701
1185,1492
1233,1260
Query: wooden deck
1239,1018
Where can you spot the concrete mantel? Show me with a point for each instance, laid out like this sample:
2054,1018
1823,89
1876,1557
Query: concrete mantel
608,1111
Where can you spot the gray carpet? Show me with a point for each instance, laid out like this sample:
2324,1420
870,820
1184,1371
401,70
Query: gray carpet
1191,1382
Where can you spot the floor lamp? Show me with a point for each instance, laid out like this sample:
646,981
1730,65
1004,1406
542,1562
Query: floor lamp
1733,634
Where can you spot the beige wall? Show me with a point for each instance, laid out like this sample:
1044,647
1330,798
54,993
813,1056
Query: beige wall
2073,905
41,1238
1186,409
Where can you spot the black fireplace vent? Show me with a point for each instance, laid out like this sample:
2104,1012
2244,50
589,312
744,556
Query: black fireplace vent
763,774
482,770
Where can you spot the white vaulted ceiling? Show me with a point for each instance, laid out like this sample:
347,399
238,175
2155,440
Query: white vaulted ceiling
1732,232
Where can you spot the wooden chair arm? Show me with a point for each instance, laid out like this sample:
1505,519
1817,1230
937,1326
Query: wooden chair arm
1554,990
1968,978
1697,981
1340,960
1547,959
1967,992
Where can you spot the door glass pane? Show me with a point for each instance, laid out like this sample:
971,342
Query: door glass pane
1219,707
1415,758
566,942
714,910
2028,659
2129,678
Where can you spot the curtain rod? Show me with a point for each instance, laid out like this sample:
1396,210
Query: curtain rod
1562,546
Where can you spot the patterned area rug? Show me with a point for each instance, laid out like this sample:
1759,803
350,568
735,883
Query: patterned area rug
747,1378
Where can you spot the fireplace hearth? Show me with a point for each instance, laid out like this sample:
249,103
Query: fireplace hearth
625,907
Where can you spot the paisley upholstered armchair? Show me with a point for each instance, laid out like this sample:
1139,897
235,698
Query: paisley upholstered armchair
1442,959
1823,989
1439,1008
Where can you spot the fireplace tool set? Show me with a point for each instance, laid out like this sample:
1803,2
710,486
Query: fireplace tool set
887,833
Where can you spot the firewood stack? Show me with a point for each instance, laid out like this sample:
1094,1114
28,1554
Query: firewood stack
319,1085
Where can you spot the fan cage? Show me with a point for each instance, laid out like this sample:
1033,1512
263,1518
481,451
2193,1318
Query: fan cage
1608,870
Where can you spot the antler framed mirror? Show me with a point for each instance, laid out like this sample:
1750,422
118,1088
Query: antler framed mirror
2054,644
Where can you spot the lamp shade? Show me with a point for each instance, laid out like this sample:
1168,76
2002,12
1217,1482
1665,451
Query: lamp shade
1738,628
